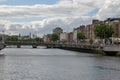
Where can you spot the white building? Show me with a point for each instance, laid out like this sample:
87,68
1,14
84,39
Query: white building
75,36
64,36
45,38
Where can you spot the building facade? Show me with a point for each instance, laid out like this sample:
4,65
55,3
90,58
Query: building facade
57,31
70,37
47,38
116,28
75,36
88,30
91,34
64,37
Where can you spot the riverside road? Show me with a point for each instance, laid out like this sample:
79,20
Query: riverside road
55,64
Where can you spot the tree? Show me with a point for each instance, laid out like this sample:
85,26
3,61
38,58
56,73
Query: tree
39,39
12,38
103,31
54,37
80,36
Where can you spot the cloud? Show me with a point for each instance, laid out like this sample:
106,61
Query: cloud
66,14
110,9
45,26
63,8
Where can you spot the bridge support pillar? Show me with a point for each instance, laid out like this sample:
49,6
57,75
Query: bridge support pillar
34,46
18,46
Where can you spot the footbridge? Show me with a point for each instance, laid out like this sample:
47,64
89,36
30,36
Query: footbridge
34,44
49,45
109,50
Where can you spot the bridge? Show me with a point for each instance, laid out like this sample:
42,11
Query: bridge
48,45
109,50
19,43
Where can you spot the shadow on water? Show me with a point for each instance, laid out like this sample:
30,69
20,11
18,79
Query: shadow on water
106,68
2,67
27,47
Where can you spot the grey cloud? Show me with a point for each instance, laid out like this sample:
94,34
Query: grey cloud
46,27
55,10
110,9
66,14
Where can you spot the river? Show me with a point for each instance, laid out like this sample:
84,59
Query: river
56,64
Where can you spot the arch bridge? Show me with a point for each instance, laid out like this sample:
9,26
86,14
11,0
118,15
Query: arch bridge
19,43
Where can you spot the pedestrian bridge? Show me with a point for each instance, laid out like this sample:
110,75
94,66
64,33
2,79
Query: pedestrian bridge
48,45
109,50
20,43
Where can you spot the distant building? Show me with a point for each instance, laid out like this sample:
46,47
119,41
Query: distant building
70,37
115,23
90,31
81,29
57,30
95,21
64,37
75,36
116,27
47,38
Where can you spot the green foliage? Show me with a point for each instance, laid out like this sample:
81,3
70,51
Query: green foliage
80,36
39,39
54,37
29,39
103,31
12,38
90,41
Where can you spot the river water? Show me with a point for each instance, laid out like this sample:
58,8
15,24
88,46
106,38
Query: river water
56,64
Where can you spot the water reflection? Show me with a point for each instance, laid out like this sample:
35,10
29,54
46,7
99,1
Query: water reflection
56,64
26,47
1,67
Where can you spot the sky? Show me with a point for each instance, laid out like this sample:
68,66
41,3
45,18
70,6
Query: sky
42,16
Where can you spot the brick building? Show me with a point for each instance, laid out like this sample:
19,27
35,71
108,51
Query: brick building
90,29
81,29
70,37
116,28
115,23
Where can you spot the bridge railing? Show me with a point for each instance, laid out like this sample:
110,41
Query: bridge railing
53,44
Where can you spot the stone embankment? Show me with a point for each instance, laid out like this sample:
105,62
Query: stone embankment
112,50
